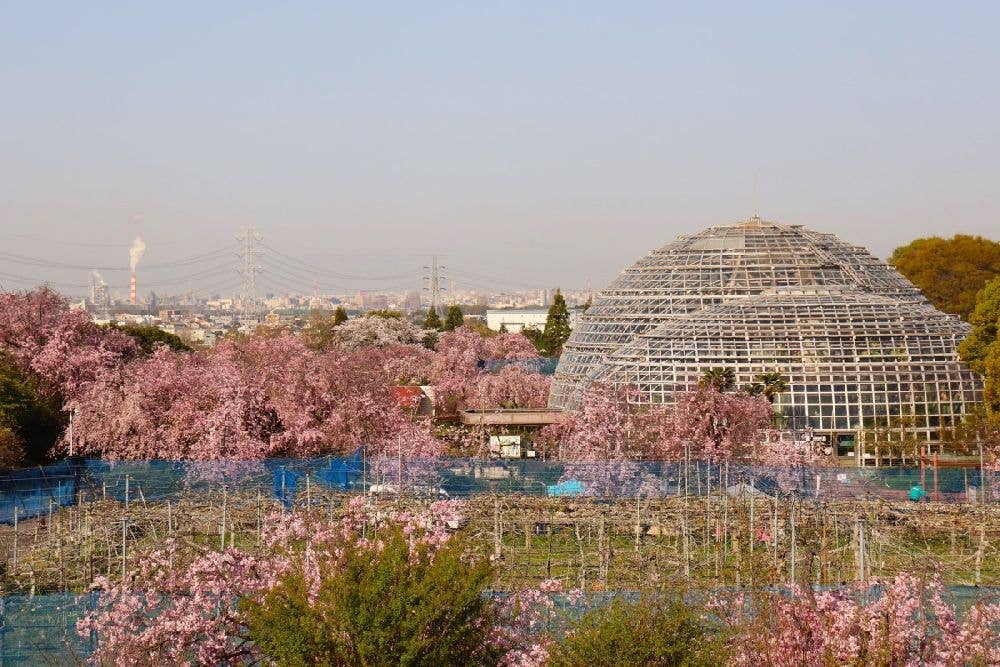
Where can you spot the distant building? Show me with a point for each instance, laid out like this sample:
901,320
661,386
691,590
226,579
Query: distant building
515,319
371,301
411,301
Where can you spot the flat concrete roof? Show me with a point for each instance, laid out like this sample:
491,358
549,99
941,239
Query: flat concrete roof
517,417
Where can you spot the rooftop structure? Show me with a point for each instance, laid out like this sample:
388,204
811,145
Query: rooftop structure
857,343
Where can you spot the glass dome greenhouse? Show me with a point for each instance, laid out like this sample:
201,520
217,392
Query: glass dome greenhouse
858,345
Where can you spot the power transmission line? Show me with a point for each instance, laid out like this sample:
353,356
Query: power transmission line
248,255
433,280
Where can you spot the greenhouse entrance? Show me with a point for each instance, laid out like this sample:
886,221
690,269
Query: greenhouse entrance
845,445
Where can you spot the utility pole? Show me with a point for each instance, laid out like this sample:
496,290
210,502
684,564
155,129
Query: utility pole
433,280
249,269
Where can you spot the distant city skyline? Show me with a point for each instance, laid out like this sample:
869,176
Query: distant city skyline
527,146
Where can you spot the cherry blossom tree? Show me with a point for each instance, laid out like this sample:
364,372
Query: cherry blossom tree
61,347
713,425
511,387
459,367
907,621
248,400
610,426
376,332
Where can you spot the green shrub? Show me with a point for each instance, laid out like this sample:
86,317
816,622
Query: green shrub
387,607
652,631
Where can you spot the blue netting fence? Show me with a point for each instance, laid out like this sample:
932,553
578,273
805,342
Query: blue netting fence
36,492
41,629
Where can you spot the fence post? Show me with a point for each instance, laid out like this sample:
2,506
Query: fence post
225,509
124,545
791,564
862,566
496,527
638,520
15,536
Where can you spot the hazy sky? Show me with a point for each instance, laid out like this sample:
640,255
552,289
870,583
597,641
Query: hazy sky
536,143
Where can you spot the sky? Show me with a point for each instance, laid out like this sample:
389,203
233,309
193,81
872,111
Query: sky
527,144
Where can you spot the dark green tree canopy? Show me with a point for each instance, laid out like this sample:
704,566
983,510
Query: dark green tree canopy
339,316
767,384
30,422
950,272
653,631
385,314
454,318
537,339
721,379
384,607
148,337
981,350
433,320
557,327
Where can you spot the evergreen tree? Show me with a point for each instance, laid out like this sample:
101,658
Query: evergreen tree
557,329
339,316
537,339
454,319
503,328
433,320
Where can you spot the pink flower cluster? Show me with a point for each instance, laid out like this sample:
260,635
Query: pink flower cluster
524,622
903,621
613,425
461,381
249,400
59,346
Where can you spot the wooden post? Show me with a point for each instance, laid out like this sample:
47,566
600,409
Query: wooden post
861,546
982,474
496,527
124,545
638,523
225,509
259,527
979,554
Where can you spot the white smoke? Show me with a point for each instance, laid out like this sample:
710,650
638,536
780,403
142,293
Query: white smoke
135,252
97,278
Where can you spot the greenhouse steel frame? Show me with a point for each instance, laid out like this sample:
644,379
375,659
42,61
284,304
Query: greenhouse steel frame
858,344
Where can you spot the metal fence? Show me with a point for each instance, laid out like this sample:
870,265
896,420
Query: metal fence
41,629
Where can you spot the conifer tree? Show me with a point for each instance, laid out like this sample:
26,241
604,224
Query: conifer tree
433,320
557,328
454,318
339,316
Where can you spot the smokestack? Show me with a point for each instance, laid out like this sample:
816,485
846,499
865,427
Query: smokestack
134,255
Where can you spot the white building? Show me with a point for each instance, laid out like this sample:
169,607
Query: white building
515,319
